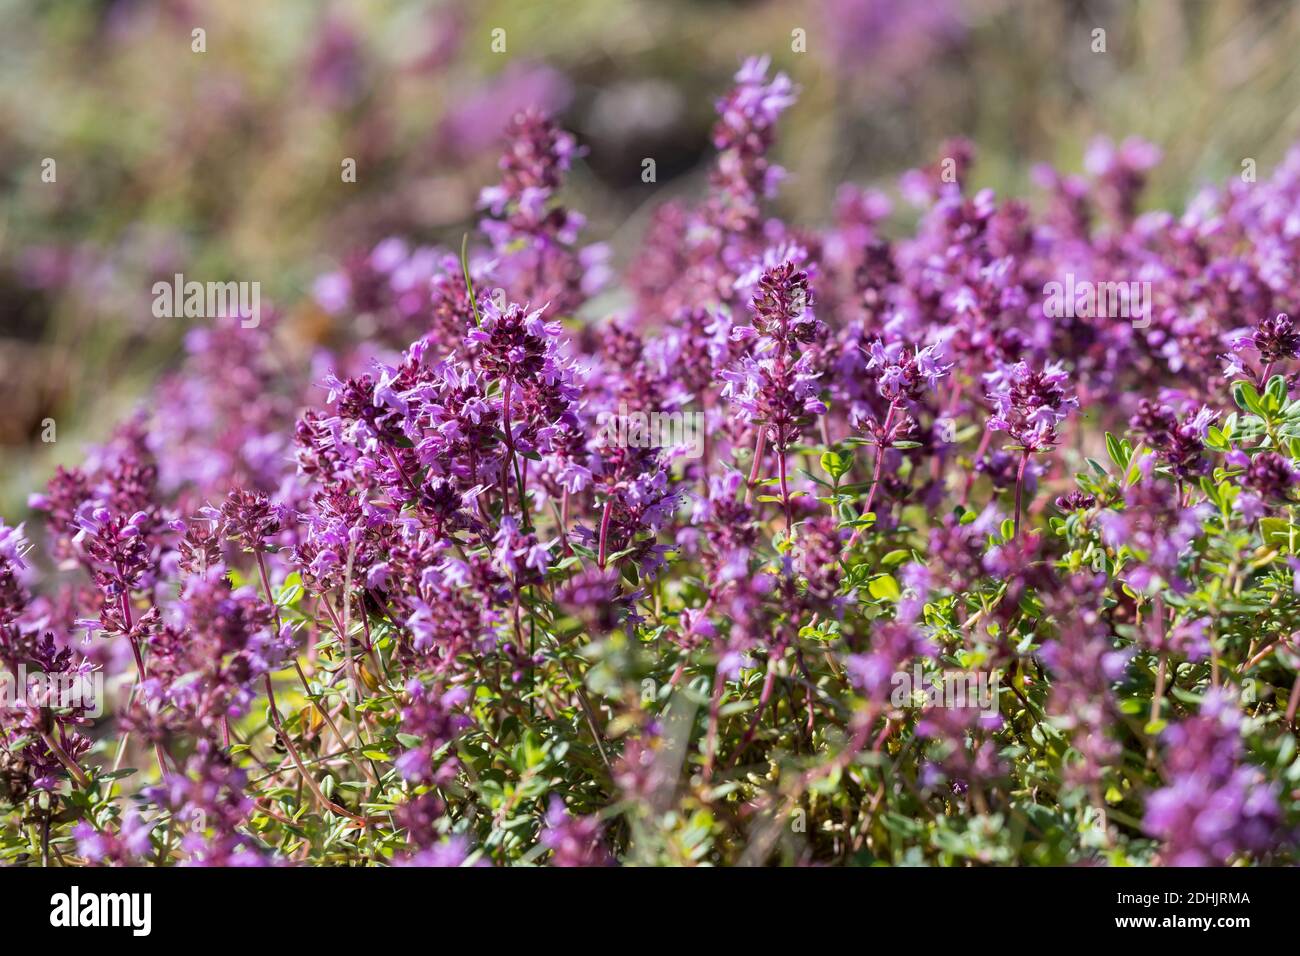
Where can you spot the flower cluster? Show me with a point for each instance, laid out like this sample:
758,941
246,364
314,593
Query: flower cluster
1213,807
410,603
1030,405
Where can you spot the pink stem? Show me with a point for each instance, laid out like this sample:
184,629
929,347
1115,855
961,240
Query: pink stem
1020,483
759,447
604,531
875,476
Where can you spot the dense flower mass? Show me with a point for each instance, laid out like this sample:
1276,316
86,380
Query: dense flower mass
826,546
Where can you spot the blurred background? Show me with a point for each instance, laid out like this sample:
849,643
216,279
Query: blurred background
225,164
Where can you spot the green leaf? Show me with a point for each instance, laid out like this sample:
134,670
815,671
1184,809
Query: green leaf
1247,398
866,521
884,587
1276,532
1276,390
837,464
469,284
818,481
289,594
1116,452
1135,470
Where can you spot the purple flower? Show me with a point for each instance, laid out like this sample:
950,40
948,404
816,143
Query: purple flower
1029,405
1214,805
573,841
